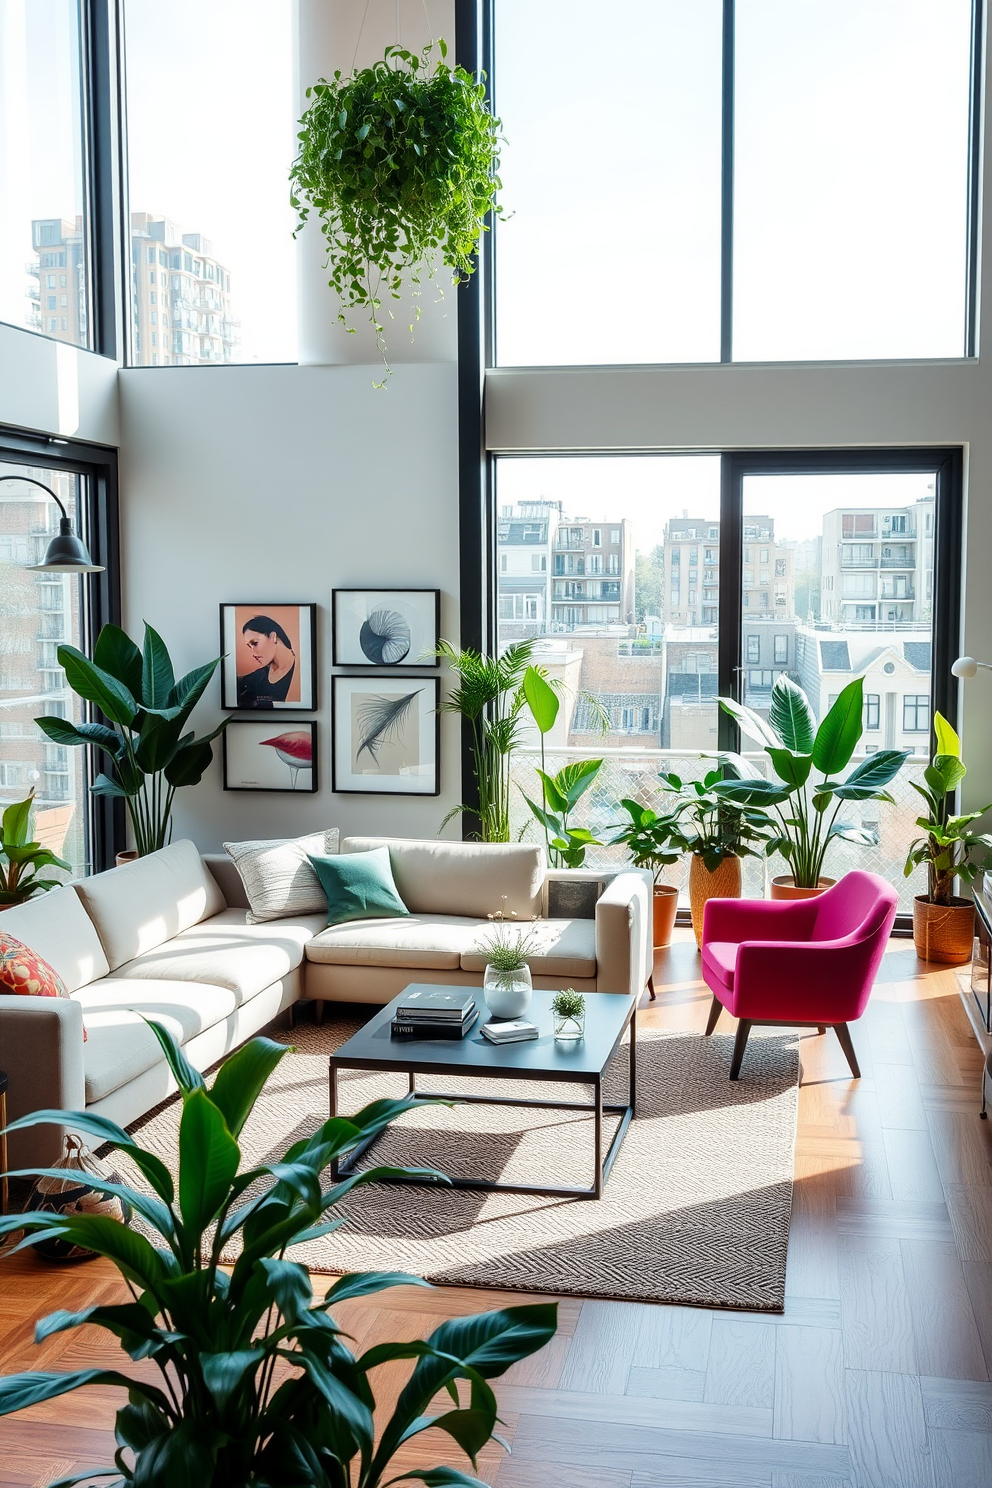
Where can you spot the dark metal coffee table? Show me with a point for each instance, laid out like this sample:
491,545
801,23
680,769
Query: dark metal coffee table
608,1015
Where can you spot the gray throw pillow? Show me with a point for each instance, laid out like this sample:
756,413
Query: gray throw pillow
277,875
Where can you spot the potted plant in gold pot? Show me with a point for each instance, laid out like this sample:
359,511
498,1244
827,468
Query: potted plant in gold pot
807,796
943,922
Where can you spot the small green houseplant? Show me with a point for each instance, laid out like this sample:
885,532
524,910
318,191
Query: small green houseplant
654,842
943,924
807,804
221,1416
151,753
568,1013
399,162
21,859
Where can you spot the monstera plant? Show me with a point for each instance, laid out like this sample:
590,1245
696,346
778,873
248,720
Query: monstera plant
145,739
808,794
398,161
257,1388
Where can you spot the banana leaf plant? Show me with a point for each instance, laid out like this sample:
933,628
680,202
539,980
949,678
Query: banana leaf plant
807,804
144,737
948,847
565,845
258,1386
21,860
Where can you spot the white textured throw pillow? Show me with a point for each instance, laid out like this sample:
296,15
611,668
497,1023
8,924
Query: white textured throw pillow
277,875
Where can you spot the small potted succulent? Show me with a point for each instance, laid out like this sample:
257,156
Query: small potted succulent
568,1012
943,923
21,859
507,984
654,842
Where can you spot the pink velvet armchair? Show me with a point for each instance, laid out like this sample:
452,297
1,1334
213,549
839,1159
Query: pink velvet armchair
802,963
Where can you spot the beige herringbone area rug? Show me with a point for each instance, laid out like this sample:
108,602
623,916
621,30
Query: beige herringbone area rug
696,1209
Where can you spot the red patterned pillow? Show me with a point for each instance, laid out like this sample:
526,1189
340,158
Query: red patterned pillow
24,971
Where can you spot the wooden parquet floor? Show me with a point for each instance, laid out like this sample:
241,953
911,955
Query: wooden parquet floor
876,1376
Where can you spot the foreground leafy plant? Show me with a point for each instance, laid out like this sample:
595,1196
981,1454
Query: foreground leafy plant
399,163
21,859
948,847
147,711
220,1419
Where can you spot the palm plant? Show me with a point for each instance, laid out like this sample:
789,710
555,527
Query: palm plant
258,1388
490,696
144,737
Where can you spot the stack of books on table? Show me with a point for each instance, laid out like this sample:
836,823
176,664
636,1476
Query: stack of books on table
510,1031
433,1013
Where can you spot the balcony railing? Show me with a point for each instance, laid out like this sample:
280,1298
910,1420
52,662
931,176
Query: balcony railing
906,562
633,773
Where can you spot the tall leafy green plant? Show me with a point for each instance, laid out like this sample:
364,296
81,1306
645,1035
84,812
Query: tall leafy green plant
21,859
399,163
220,1417
489,696
564,844
805,806
948,847
145,739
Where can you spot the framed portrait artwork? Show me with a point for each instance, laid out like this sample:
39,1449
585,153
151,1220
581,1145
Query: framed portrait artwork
270,656
270,756
386,627
386,734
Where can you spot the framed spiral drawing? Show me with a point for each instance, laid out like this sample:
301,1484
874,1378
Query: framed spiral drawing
386,627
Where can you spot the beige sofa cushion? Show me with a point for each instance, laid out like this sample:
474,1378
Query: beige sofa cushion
471,879
226,952
562,948
121,1046
277,875
425,941
144,904
58,928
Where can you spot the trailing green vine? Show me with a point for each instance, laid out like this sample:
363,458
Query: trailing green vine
399,162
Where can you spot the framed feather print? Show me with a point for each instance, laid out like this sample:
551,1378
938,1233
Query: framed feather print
386,733
386,627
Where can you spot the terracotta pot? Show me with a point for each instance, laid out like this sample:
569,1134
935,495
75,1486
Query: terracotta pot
666,903
783,887
724,883
943,932
130,856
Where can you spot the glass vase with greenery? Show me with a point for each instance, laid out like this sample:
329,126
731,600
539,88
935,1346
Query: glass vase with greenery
257,1388
568,1013
21,860
489,696
399,162
807,758
151,753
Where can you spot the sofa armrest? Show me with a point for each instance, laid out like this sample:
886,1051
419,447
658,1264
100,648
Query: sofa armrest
228,879
624,958
41,1051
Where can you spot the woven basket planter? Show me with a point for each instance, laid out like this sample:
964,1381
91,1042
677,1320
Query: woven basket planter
723,883
943,932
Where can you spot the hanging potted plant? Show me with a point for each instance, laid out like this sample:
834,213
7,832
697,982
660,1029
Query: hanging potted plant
654,842
398,161
717,833
943,923
805,804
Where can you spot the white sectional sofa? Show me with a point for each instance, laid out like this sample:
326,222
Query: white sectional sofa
166,937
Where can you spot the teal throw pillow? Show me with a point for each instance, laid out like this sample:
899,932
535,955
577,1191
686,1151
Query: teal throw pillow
359,886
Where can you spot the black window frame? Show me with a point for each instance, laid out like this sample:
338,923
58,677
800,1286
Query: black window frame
99,526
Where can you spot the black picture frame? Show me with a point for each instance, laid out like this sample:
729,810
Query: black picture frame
232,695
347,781
418,611
234,774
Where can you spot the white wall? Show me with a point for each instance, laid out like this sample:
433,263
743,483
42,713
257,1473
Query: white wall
49,388
280,483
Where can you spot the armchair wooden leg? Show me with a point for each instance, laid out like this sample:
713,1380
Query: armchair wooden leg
821,1029
715,1011
740,1044
844,1039
651,993
318,1010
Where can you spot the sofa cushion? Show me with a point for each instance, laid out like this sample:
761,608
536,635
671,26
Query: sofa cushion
121,1045
58,929
561,948
473,879
416,941
226,952
359,886
278,877
144,904
721,958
